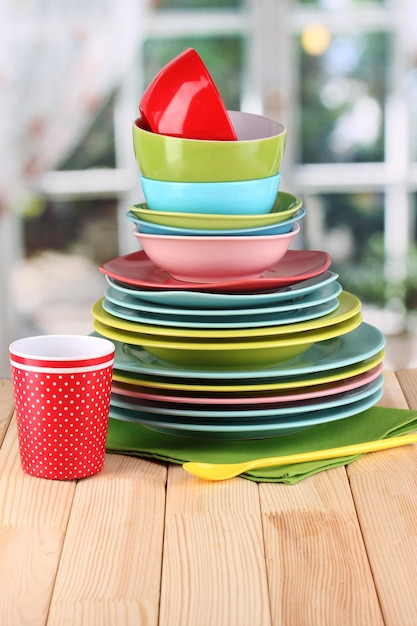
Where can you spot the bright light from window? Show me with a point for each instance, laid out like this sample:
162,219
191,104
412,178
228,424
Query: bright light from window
315,39
358,127
340,91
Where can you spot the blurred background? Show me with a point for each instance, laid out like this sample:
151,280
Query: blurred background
340,74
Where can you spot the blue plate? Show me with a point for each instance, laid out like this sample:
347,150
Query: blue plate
221,322
250,385
205,410
132,331
209,300
257,429
320,295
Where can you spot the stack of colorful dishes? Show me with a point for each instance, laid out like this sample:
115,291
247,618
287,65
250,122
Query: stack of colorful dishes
220,329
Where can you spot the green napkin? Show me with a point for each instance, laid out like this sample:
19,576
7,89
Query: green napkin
373,424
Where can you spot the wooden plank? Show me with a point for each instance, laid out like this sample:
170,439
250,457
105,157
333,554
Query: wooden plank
384,487
111,562
393,395
6,406
33,517
214,565
318,570
407,380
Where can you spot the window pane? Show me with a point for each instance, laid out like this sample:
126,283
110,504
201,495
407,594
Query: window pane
55,285
411,283
87,227
342,91
97,149
350,228
197,4
223,57
412,103
339,4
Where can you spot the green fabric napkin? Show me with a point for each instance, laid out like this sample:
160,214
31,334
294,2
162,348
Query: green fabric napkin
373,424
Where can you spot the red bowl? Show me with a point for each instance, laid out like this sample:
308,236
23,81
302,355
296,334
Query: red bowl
183,101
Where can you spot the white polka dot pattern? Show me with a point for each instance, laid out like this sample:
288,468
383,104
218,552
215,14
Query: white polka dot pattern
62,421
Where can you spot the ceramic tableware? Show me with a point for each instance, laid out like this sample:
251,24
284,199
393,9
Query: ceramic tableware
220,414
349,307
136,269
257,429
233,354
284,208
214,259
258,152
320,295
159,229
182,100
237,197
221,322
223,301
248,397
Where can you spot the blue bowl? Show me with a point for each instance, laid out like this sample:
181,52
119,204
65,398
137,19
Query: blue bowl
240,197
150,228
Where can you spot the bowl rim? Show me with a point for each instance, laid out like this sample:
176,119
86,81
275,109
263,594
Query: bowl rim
298,215
202,238
137,128
143,206
248,182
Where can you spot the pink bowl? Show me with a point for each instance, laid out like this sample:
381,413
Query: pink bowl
214,259
183,101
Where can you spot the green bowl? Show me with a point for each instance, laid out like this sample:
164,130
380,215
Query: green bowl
257,153
285,206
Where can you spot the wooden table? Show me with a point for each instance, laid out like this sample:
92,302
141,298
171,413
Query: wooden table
143,543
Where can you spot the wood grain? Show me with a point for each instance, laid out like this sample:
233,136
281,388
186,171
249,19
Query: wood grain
6,406
214,570
393,395
384,487
138,545
318,570
111,562
33,518
407,379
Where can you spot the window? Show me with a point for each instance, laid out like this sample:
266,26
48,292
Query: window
341,74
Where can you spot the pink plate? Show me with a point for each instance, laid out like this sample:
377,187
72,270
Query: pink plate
136,269
318,391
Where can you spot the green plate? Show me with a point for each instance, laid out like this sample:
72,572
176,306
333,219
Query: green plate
285,206
237,354
262,385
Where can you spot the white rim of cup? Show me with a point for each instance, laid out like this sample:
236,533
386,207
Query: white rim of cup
39,353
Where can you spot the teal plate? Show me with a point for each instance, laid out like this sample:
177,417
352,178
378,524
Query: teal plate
359,344
212,322
319,296
248,385
257,429
210,300
349,307
201,412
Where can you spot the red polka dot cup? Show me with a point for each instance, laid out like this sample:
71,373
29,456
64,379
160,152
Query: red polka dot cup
62,386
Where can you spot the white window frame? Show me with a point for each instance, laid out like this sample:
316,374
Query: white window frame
269,27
